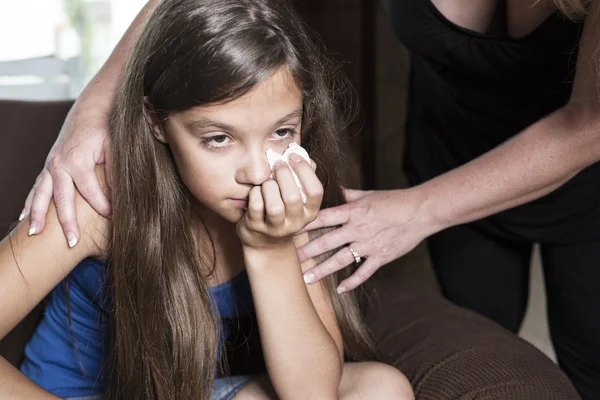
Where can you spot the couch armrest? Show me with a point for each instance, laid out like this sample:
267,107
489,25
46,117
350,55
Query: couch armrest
449,353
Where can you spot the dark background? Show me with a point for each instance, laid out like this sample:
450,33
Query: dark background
357,34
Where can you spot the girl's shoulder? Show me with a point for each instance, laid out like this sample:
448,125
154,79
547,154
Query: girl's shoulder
90,274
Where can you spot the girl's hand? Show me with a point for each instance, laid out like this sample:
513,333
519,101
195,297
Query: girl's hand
275,209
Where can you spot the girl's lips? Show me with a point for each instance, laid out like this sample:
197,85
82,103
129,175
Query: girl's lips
241,203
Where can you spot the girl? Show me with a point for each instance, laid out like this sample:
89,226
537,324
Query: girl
200,234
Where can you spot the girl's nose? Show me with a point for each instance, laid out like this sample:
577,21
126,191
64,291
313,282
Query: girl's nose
255,169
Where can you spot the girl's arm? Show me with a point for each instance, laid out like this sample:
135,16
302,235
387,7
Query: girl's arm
320,299
301,340
30,267
15,386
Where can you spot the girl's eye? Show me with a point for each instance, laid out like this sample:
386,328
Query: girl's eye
285,133
217,141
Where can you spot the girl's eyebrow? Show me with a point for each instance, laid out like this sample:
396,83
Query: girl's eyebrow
211,123
294,114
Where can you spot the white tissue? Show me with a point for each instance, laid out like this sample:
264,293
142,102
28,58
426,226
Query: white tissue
293,148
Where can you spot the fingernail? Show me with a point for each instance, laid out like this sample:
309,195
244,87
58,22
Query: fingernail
72,239
295,158
277,164
341,289
22,216
309,277
32,228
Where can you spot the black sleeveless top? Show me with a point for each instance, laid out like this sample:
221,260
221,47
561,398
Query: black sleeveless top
470,92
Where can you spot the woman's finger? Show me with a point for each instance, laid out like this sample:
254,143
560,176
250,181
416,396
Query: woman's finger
327,242
64,200
108,163
28,201
40,203
88,185
341,259
354,195
329,217
364,272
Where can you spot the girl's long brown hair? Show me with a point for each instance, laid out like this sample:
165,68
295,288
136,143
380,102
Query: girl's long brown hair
192,53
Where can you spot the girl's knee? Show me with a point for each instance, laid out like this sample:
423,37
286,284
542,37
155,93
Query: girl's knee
393,383
373,380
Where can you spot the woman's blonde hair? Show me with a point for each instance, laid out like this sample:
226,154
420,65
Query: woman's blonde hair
574,9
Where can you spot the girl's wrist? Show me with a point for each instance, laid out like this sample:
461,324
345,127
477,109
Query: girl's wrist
269,255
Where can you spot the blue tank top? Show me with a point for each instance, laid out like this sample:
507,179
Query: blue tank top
52,360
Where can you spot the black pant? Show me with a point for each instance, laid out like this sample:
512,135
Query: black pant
490,275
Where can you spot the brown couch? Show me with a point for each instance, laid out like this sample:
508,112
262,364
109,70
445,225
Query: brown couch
446,352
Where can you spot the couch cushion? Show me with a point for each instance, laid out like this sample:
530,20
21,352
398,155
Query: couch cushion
27,133
450,353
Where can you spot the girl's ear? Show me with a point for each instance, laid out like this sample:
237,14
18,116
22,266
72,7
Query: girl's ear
153,121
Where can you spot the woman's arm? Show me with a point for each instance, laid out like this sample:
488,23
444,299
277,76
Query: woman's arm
532,164
385,225
301,340
83,143
30,267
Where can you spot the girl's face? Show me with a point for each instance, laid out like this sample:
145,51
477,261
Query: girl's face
220,149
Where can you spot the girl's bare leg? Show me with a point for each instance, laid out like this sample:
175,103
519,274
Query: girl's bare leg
374,380
259,388
360,381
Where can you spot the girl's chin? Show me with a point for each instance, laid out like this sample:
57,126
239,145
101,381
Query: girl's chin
232,215
219,215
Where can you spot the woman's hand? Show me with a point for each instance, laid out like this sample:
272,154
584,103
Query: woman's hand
380,226
81,145
275,209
